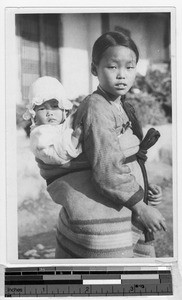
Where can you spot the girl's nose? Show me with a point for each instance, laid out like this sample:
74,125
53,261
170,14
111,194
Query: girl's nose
121,74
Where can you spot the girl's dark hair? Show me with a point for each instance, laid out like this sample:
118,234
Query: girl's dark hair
110,39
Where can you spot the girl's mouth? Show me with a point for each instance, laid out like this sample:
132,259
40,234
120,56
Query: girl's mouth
121,86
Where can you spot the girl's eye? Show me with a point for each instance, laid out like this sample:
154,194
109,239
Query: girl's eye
112,67
130,67
41,108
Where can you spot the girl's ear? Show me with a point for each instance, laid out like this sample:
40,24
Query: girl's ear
93,69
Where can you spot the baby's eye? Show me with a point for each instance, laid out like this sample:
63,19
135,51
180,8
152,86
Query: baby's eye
41,108
55,106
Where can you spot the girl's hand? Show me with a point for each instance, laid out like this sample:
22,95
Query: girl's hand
154,194
149,217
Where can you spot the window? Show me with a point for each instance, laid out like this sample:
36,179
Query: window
38,47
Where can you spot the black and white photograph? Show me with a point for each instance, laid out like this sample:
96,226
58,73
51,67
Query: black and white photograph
91,121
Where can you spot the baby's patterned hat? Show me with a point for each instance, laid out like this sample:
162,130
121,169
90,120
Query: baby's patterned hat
43,89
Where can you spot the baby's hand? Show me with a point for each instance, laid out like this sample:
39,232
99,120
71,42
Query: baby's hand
77,136
154,194
78,133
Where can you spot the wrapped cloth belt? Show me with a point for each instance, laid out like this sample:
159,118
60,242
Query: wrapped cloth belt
130,159
149,140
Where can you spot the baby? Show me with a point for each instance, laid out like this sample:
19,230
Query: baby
52,139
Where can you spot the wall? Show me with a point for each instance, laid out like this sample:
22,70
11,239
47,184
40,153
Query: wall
13,67
148,31
78,33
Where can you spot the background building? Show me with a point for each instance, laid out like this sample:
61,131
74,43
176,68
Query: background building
60,45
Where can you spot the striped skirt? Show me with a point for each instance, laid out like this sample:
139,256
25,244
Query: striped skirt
89,227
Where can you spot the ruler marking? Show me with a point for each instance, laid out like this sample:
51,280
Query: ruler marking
101,281
105,276
62,277
139,282
128,289
95,281
92,269
139,276
22,278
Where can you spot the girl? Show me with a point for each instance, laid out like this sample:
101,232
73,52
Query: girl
103,211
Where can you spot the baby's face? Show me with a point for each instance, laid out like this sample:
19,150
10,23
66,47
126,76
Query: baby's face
48,113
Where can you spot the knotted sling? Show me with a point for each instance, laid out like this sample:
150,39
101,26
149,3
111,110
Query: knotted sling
148,141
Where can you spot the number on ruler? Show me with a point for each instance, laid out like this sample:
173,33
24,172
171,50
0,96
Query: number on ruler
131,288
87,289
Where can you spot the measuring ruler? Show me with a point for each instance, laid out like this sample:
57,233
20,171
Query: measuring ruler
90,281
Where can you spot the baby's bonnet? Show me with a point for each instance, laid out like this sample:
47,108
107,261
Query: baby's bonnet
43,89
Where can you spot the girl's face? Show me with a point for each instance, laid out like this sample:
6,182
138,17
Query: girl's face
116,70
48,113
